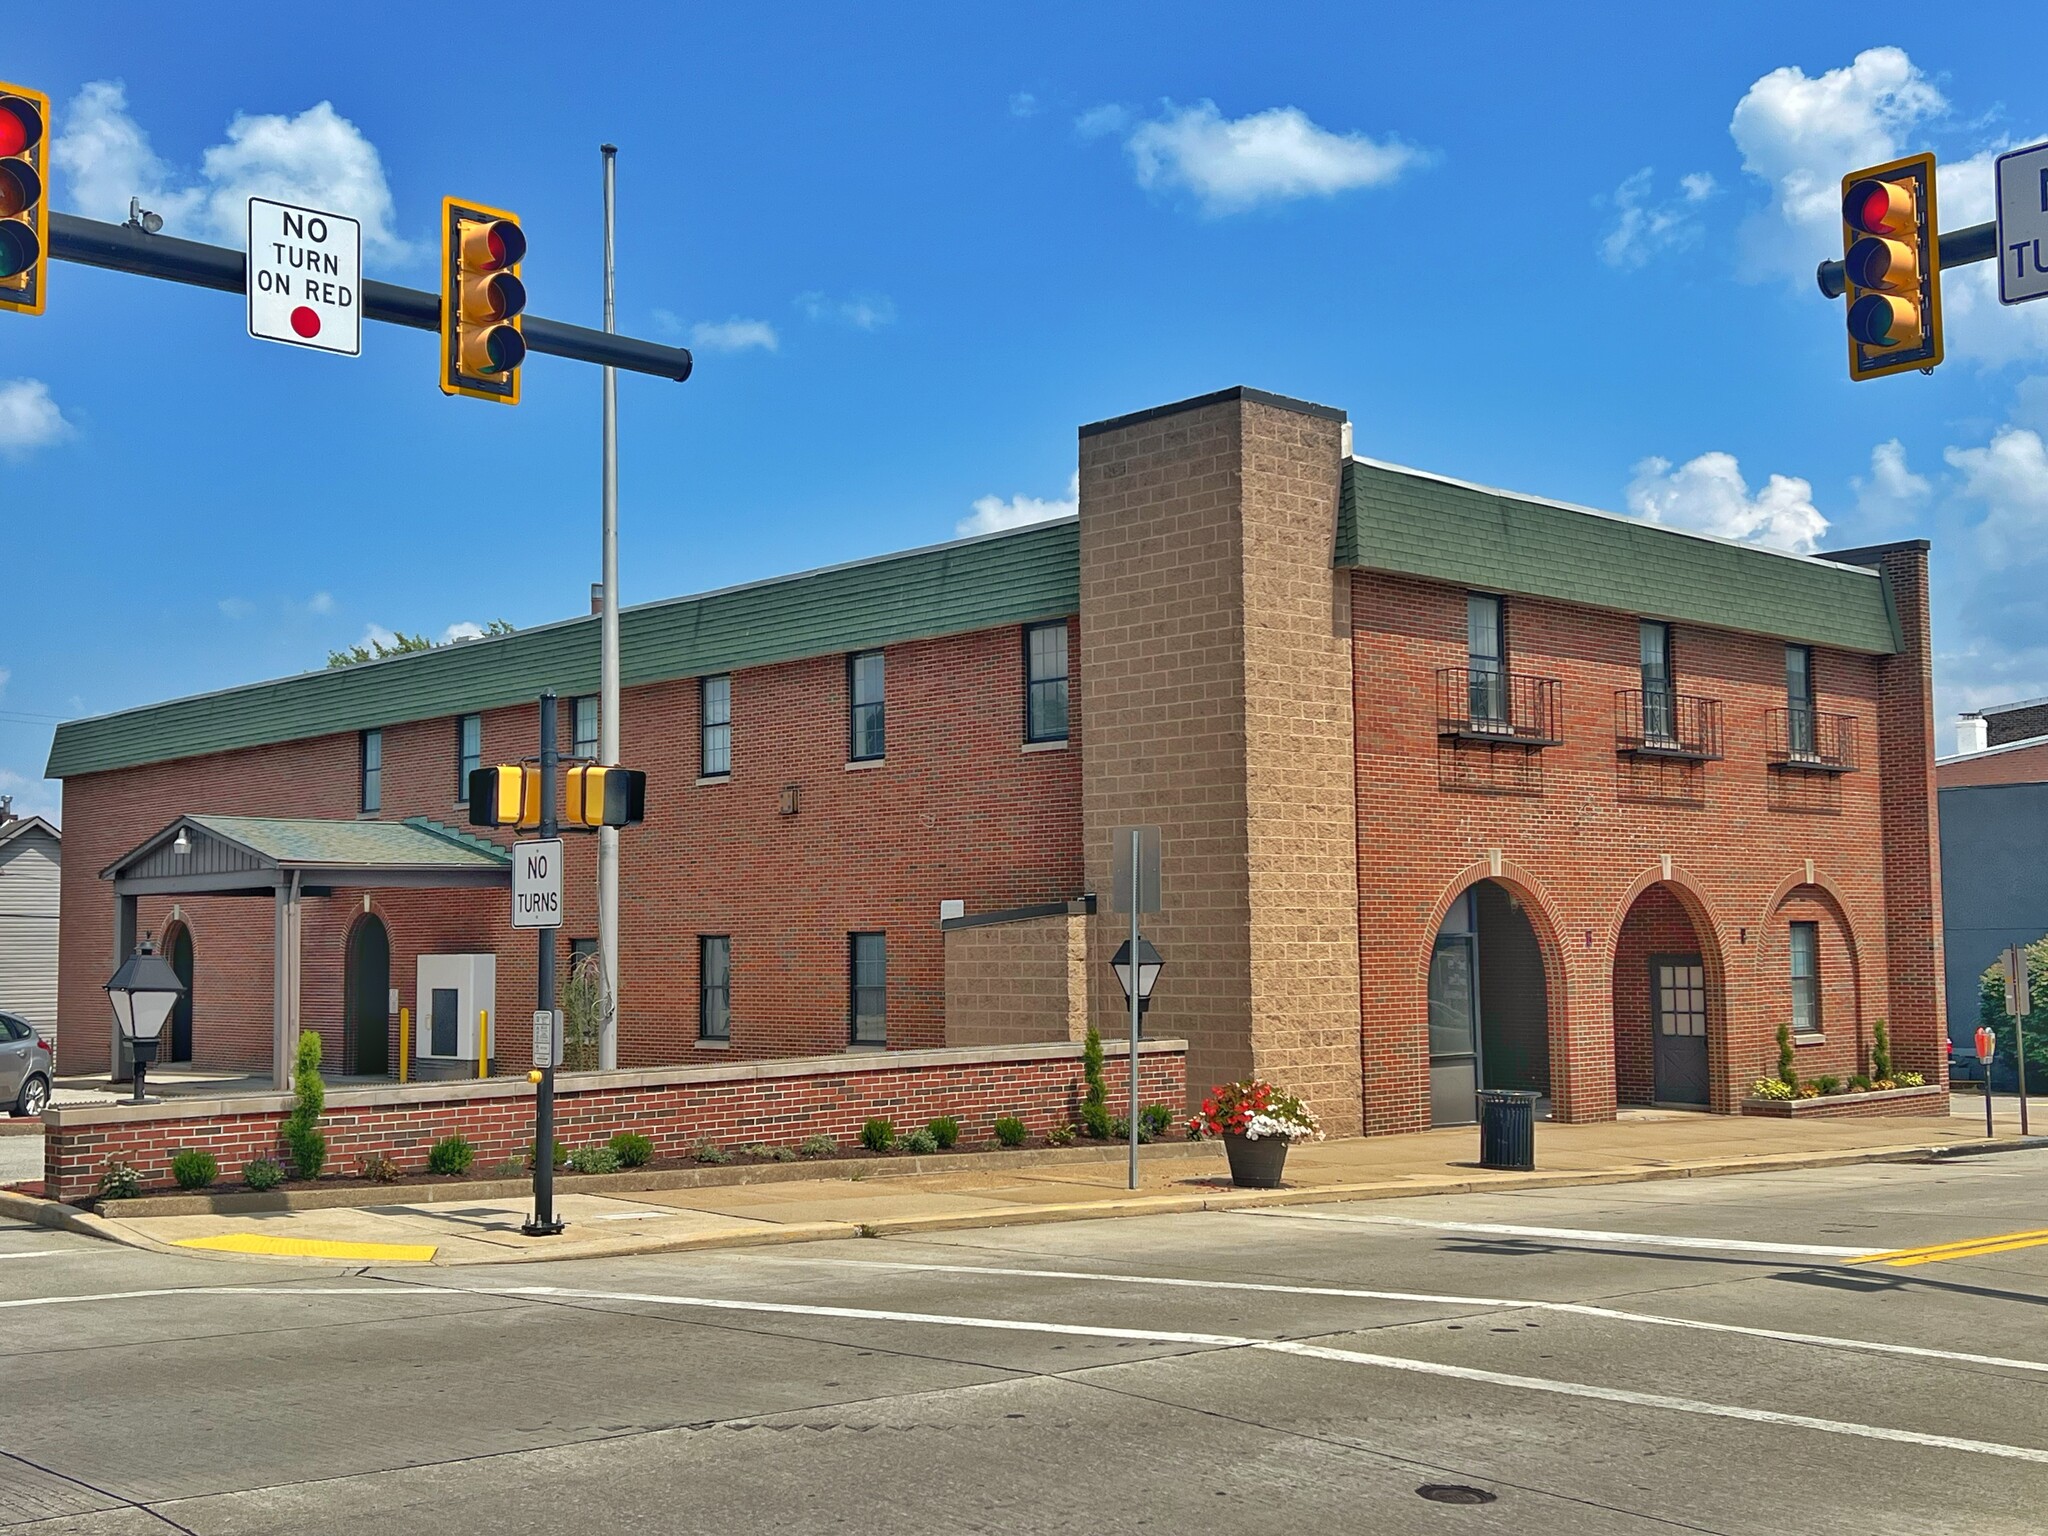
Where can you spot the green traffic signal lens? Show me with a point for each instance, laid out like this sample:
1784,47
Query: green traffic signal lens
19,248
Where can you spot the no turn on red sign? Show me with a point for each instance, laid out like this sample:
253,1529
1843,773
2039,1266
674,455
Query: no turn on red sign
305,277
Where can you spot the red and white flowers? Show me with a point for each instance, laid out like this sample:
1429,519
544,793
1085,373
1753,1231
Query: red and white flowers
1254,1110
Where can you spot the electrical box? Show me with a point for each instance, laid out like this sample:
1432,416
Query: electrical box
455,994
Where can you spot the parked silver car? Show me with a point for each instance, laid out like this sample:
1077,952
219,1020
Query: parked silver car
25,1067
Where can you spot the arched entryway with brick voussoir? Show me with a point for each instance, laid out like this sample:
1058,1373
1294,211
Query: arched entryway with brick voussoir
1670,1000
1827,1011
366,994
1494,986
177,948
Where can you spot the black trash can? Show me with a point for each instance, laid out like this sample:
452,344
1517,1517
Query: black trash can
1507,1128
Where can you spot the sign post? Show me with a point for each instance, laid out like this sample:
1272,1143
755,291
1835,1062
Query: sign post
2018,1004
305,277
2022,198
1134,888
537,875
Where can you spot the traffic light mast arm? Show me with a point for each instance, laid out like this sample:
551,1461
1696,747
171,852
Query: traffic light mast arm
119,248
1959,247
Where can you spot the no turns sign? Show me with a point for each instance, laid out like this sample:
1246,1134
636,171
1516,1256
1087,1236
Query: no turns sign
305,277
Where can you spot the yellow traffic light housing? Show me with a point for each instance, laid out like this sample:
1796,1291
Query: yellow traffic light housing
482,299
505,796
1891,265
24,209
605,797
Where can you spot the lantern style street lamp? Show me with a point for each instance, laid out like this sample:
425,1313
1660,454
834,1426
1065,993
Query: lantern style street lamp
143,991
1149,967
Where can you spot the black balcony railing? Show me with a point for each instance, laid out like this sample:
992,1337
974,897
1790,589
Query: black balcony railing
1803,738
1655,722
1488,704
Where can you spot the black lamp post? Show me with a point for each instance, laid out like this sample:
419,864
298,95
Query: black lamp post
1149,967
144,991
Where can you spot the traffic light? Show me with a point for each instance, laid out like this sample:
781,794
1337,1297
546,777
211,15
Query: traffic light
605,797
1891,264
505,796
24,213
481,301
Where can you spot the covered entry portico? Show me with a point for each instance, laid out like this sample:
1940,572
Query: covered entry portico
287,861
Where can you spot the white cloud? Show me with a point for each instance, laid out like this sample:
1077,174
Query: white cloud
992,514
322,602
33,796
1100,122
1893,495
235,607
2009,476
1799,133
1644,227
863,313
461,630
29,418
375,635
1709,495
734,335
1023,104
7,677
318,159
1232,164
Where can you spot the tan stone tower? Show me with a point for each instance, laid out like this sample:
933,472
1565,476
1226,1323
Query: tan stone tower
1216,702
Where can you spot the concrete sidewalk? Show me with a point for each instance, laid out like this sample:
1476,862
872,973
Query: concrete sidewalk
1643,1144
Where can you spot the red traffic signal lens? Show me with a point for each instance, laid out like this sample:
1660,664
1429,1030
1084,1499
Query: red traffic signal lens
490,245
19,248
1879,207
21,125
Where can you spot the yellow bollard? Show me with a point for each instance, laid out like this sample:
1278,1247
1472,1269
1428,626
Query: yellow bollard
405,1045
483,1055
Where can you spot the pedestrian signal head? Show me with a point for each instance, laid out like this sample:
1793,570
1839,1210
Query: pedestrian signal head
605,797
505,796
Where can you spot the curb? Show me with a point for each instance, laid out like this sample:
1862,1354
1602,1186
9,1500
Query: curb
60,1217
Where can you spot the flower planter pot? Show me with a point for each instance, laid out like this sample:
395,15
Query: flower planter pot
1256,1164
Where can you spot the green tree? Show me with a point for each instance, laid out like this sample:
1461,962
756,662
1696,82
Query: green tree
1992,1014
1788,1070
402,644
302,1133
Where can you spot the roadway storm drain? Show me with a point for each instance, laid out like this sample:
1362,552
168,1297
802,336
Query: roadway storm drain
1455,1493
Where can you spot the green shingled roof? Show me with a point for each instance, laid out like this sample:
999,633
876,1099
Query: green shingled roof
1394,519
416,843
1005,578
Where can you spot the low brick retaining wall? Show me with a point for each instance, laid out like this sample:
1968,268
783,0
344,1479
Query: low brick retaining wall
778,1102
1929,1100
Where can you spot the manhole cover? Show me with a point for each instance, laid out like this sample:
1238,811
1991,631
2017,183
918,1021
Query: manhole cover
1455,1493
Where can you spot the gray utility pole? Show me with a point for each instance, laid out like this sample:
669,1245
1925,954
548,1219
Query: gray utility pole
1137,992
608,665
544,1222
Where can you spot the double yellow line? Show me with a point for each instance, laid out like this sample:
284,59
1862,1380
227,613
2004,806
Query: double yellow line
1963,1248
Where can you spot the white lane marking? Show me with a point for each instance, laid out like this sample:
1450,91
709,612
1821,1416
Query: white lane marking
1571,1234
1136,1335
34,1253
1576,1308
630,1215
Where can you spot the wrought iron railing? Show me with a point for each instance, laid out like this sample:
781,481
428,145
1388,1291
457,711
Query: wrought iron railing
1495,705
1803,737
1656,722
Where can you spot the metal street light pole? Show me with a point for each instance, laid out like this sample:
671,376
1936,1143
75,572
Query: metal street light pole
608,665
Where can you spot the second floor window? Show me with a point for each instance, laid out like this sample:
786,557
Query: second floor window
714,987
583,726
1806,978
714,745
469,753
1660,724
372,798
1486,653
1045,682
1799,700
864,689
869,968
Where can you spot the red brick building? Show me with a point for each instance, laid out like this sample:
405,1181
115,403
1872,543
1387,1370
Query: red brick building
1457,788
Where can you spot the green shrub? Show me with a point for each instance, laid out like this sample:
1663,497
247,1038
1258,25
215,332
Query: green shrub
635,1150
1859,1084
118,1180
302,1133
307,1145
1010,1131
710,1152
1097,1121
1881,1051
1771,1088
1788,1071
379,1169
879,1134
921,1143
194,1169
945,1131
262,1173
1097,1096
594,1160
561,1154
451,1154
1908,1080
1060,1136
1827,1084
817,1146
512,1168
1157,1119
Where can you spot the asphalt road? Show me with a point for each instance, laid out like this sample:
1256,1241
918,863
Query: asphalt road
1678,1356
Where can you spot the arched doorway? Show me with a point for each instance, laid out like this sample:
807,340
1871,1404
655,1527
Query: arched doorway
366,999
1663,1005
177,1036
1489,1014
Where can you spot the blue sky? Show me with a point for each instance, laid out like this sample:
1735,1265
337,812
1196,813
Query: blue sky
915,246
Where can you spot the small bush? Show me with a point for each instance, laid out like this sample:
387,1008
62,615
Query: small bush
1809,1090
635,1150
379,1169
262,1173
817,1146
1771,1088
945,1131
879,1134
1157,1119
1880,1050
1060,1136
302,1133
1097,1121
512,1168
768,1154
710,1152
1908,1080
194,1169
921,1143
1859,1084
593,1160
561,1154
451,1154
1010,1131
308,1147
118,1180
1788,1071
1827,1084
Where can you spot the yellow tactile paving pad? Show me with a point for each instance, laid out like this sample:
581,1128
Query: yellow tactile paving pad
312,1248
